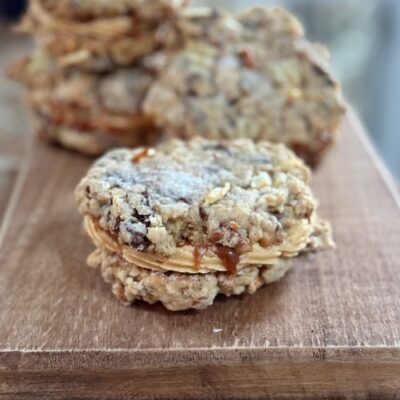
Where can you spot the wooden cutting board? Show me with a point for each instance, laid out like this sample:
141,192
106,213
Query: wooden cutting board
330,329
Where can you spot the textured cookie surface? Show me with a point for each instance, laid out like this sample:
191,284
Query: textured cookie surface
181,291
88,112
177,291
83,9
186,221
198,192
254,77
77,34
91,141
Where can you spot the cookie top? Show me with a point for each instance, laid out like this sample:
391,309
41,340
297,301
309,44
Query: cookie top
99,35
221,28
262,80
87,9
198,193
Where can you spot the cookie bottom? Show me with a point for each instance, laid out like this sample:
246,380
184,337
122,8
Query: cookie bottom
90,142
179,291
86,142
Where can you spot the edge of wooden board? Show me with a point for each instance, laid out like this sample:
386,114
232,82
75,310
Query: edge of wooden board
232,373
383,170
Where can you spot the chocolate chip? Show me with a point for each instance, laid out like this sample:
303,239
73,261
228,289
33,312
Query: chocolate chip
138,233
88,193
140,241
185,200
216,147
117,222
203,214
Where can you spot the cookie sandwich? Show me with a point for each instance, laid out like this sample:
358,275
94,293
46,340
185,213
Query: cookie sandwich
186,221
84,111
92,66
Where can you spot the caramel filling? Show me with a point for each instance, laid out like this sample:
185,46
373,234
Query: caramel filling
188,259
229,257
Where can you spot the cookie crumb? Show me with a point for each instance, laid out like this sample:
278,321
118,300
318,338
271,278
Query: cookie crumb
217,194
261,180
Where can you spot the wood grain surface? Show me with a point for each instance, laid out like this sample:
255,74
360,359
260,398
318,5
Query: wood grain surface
331,328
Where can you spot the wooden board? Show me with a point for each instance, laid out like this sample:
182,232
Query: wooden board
330,329
14,121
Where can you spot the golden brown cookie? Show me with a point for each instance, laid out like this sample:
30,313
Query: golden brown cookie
200,209
254,76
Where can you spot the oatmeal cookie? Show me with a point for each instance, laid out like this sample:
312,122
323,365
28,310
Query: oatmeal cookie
89,142
89,9
80,110
180,291
254,76
200,207
97,35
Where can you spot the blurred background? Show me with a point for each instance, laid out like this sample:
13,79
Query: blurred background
364,39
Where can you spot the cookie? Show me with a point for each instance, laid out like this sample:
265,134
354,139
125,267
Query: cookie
81,36
200,210
89,9
89,143
254,76
177,291
80,110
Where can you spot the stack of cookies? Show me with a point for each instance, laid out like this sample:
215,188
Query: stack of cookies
124,72
94,62
208,197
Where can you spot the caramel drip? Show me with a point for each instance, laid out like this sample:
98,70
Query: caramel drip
207,257
198,254
229,257
216,236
